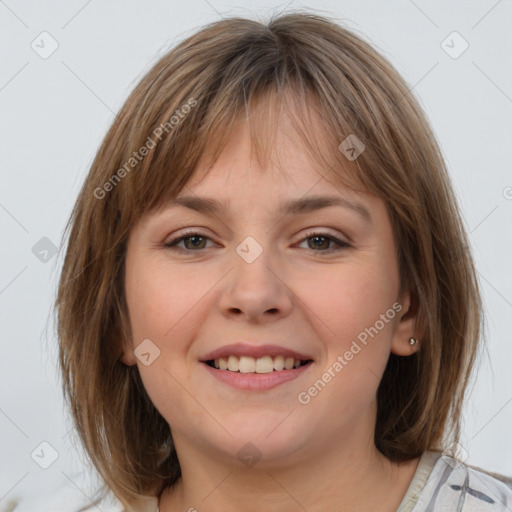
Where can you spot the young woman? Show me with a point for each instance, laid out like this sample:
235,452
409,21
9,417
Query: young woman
266,301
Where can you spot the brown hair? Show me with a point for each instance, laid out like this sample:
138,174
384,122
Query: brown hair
314,69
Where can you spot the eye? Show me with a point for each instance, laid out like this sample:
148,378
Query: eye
191,242
317,242
322,242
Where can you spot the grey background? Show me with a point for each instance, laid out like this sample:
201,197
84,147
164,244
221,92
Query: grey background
55,111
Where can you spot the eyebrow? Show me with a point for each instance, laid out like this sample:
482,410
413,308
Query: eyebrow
294,206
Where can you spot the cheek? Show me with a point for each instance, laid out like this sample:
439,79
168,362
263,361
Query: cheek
356,341
349,300
160,299
355,318
164,306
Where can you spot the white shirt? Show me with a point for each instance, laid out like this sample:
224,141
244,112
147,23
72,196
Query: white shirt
440,483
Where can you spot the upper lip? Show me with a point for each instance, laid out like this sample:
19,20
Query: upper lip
246,349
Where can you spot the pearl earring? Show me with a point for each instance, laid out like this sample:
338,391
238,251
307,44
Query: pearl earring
413,341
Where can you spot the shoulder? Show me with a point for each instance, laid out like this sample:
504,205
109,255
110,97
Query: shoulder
455,485
76,496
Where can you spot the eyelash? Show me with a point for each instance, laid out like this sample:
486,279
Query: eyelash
173,244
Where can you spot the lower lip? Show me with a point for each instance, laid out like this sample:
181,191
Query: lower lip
257,381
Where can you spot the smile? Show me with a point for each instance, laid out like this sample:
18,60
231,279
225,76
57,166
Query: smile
254,380
265,364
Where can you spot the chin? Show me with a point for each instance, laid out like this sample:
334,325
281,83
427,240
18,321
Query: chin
265,441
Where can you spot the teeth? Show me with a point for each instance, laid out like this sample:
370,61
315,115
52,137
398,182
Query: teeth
265,364
279,363
246,365
233,363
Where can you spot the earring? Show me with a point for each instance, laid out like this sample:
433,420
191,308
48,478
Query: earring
413,341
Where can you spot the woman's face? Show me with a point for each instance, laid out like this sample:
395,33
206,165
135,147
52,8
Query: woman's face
262,267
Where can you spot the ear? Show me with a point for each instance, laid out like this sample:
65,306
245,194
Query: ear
405,327
127,355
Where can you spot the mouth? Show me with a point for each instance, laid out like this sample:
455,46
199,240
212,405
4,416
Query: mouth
255,368
259,365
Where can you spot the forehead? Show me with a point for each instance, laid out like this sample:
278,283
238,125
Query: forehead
237,175
256,152
276,148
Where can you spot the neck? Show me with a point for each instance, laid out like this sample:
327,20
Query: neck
344,479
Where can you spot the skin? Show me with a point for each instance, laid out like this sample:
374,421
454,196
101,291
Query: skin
315,457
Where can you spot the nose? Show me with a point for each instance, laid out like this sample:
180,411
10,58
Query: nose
256,291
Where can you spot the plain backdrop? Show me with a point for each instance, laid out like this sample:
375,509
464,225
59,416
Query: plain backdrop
56,108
